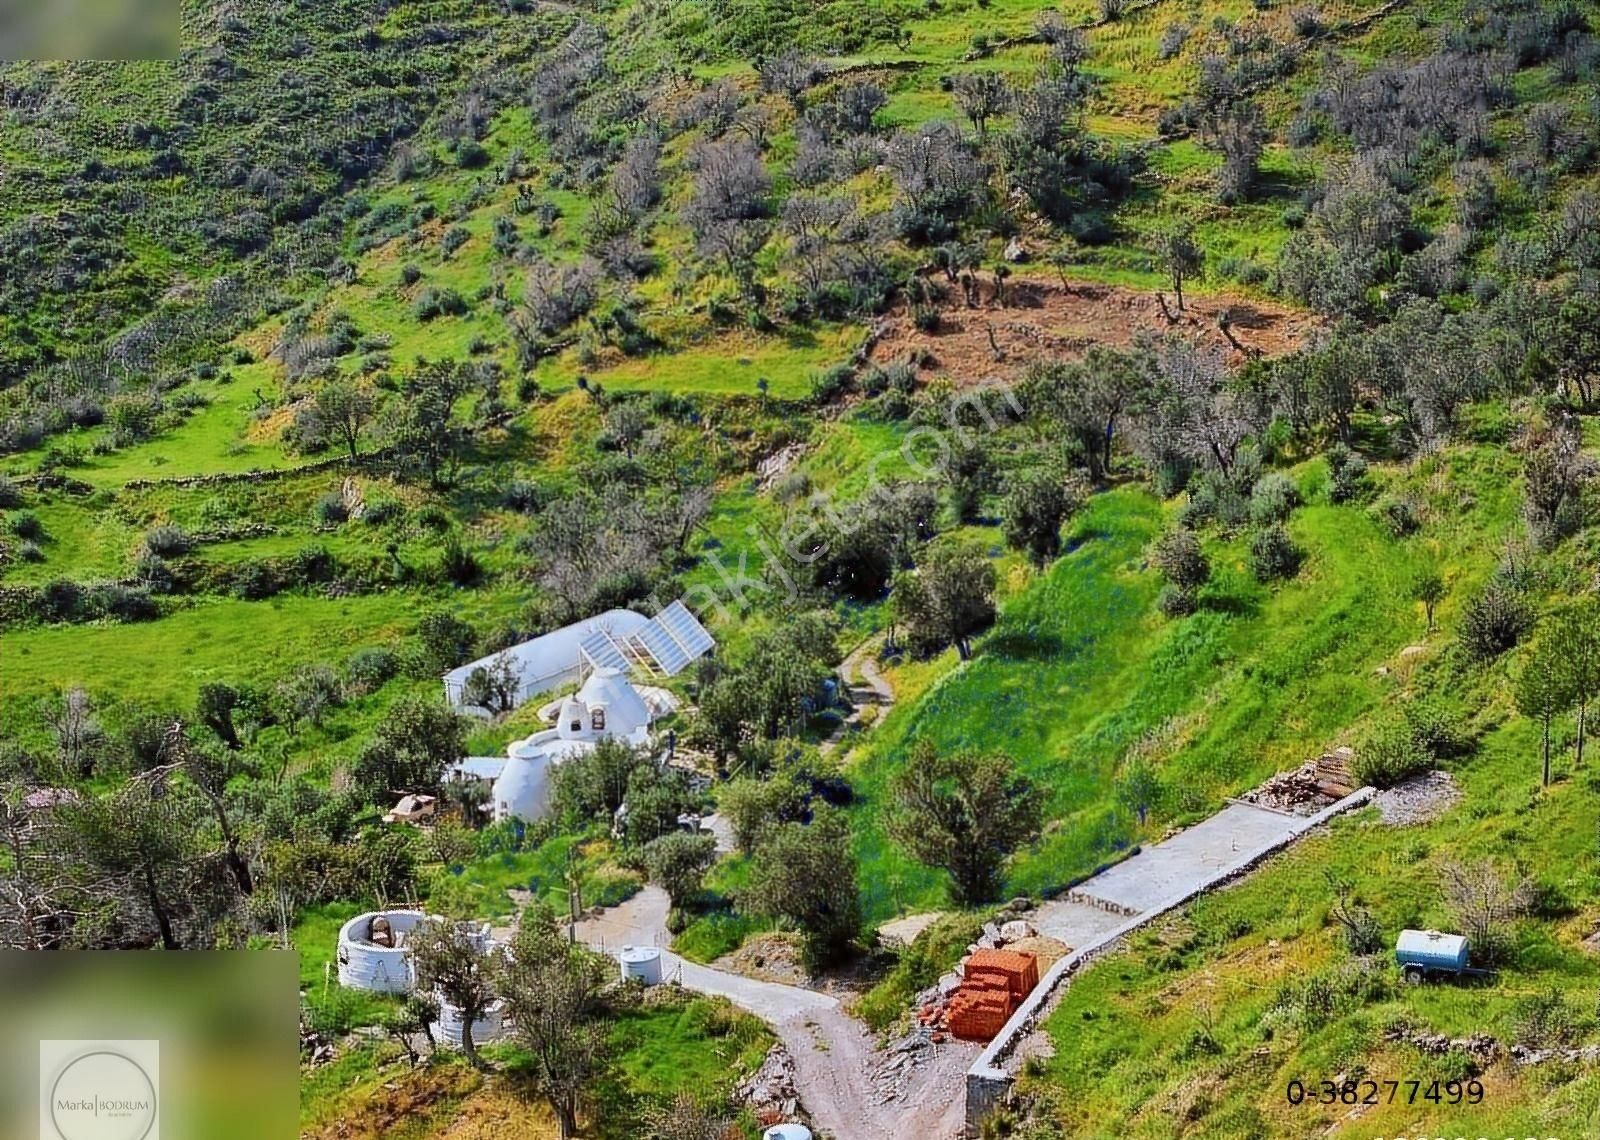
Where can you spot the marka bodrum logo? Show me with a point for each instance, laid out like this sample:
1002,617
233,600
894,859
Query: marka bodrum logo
99,1090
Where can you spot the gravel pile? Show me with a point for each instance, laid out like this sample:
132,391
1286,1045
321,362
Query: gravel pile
1417,800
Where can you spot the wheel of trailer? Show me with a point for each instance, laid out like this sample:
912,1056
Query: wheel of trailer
1414,975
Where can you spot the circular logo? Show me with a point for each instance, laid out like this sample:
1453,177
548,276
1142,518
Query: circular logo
103,1095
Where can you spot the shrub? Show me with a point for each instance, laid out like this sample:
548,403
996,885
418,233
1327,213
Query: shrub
309,566
378,512
470,154
28,551
167,541
60,600
1273,499
1179,557
330,510
1437,731
446,640
832,384
1273,555
1403,516
124,603
1389,756
26,524
10,494
254,581
1543,1021
524,495
1495,621
368,670
436,302
1347,475
410,274
454,238
1174,601
154,574
458,564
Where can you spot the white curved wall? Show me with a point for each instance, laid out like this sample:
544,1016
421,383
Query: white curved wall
377,968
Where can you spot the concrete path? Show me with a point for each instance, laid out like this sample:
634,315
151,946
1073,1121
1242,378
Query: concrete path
834,1056
1234,837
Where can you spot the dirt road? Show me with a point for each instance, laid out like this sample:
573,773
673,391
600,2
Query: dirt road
835,1061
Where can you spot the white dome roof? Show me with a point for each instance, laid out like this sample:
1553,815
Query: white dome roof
626,711
523,789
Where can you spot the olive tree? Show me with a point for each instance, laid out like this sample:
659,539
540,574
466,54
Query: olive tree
966,813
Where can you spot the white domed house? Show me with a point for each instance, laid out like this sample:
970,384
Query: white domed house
607,707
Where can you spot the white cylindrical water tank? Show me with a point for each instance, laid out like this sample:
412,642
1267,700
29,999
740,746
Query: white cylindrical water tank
641,963
490,1026
787,1132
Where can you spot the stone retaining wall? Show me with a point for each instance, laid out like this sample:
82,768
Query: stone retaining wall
988,1082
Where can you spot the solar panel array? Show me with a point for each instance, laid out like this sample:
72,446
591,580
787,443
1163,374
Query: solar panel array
667,653
686,629
602,652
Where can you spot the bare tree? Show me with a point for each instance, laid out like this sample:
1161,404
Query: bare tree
790,74
636,181
78,733
1182,256
730,183
712,110
554,296
1485,903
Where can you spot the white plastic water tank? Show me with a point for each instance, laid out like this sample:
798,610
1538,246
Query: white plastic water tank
787,1132
490,1026
641,963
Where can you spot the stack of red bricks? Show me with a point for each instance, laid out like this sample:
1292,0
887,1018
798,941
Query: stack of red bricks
994,983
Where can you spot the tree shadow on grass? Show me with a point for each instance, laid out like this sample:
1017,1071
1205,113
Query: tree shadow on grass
1022,645
1231,604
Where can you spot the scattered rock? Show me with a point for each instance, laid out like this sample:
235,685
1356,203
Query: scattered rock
770,958
1481,1048
1015,929
1015,251
771,1091
776,465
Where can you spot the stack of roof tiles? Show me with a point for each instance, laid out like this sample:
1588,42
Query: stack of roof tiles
993,985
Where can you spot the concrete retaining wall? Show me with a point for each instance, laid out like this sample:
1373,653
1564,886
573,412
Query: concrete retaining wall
988,1082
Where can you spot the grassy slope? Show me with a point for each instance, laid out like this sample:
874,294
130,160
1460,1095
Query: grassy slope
1081,668
698,1046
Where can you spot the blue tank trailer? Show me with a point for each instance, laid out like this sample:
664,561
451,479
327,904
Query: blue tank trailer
1423,954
